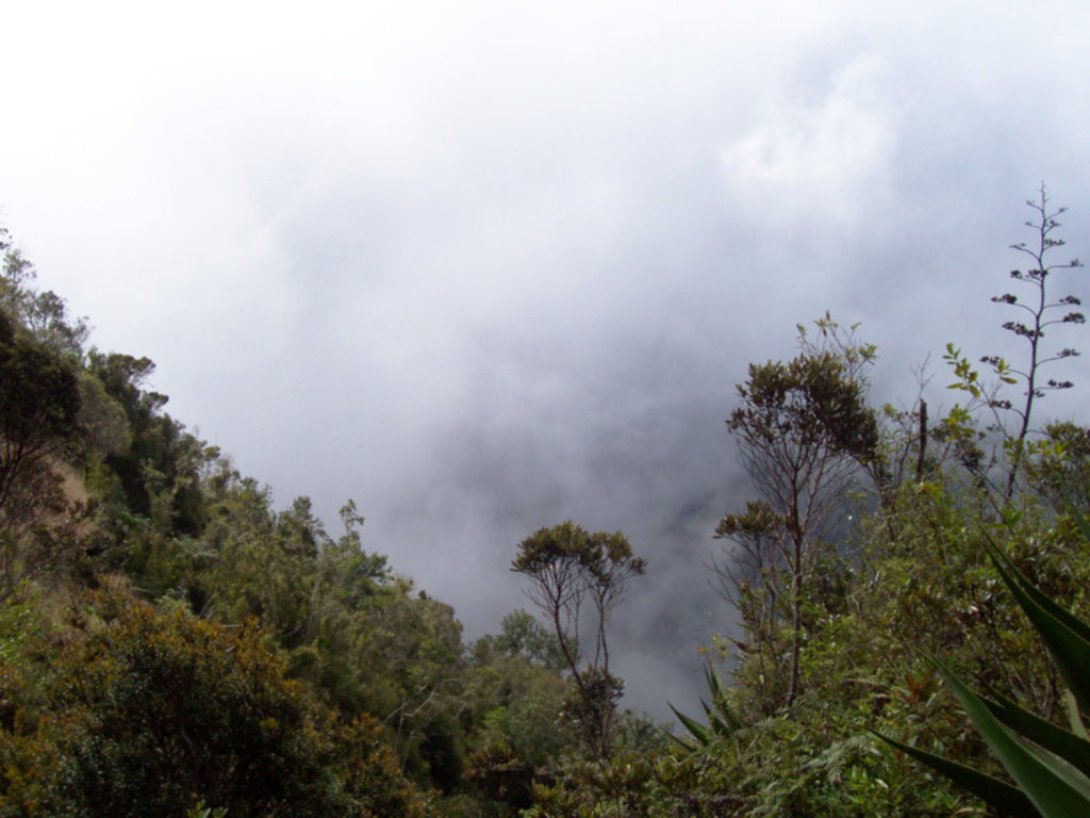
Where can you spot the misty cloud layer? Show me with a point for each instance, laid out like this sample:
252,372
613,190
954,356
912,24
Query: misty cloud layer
488,267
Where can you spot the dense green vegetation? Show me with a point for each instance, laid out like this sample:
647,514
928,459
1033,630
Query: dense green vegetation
1054,783
171,644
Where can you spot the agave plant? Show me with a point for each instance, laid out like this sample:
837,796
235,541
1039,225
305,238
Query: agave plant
722,721
1050,765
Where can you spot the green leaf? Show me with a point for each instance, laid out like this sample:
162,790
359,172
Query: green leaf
695,728
1060,613
991,790
1056,788
1074,718
723,716
1067,638
1070,747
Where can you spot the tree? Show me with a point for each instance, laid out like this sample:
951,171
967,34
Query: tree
513,692
804,430
522,636
1040,314
162,462
39,430
570,568
44,315
39,404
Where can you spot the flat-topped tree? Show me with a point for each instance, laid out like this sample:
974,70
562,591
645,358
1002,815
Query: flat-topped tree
571,568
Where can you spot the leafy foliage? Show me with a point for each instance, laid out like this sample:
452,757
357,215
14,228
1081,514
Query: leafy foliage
156,713
1050,765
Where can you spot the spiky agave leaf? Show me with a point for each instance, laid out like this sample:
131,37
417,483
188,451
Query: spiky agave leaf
1056,788
1065,636
722,721
1072,748
985,787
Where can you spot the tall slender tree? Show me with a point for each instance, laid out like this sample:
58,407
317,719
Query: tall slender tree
1040,313
570,569
804,430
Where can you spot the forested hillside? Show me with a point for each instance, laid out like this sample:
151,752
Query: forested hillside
172,644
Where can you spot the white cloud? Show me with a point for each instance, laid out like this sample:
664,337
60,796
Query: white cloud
486,261
828,161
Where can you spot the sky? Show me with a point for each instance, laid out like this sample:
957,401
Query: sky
487,266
